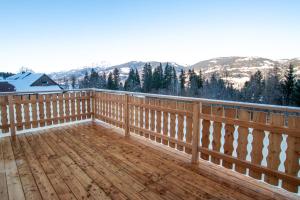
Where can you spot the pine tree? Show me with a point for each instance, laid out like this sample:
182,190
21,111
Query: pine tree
288,85
138,80
182,78
193,83
174,84
272,93
200,80
116,79
253,89
85,82
94,81
102,80
129,82
73,81
110,82
297,93
147,78
167,76
158,77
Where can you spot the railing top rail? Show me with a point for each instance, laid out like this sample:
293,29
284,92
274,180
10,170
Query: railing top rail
191,99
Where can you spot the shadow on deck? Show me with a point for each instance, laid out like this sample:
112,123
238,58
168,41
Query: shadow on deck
91,161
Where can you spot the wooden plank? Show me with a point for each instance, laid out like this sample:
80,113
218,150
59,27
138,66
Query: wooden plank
165,123
122,106
172,104
242,140
11,115
61,108
113,103
131,112
14,186
73,111
43,183
206,109
141,115
41,110
89,102
136,114
18,107
189,126
29,185
292,155
152,117
48,109
83,104
61,189
78,111
196,133
274,148
180,119
84,156
33,99
64,171
3,183
147,122
118,109
217,128
54,108
158,120
4,119
126,116
251,124
229,131
67,106
257,144
26,113
97,100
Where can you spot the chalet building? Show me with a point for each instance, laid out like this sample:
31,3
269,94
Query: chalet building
28,82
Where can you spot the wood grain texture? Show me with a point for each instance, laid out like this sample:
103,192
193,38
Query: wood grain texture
87,161
275,139
243,133
217,128
291,164
229,131
206,109
257,144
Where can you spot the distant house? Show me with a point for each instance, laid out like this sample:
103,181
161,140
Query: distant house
28,82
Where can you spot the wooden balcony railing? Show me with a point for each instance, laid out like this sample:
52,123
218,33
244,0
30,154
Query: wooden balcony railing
260,141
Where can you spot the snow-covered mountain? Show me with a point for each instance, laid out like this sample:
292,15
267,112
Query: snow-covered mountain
124,70
236,70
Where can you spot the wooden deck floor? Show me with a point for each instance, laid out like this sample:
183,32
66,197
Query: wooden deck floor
89,161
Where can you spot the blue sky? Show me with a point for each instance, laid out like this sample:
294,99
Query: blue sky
54,35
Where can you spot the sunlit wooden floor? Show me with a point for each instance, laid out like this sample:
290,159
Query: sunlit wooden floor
89,161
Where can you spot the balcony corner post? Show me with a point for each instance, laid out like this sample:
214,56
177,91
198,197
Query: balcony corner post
126,117
11,115
196,133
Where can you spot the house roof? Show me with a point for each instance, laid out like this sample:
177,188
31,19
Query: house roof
23,82
6,87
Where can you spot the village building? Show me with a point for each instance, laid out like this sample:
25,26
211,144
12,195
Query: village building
28,82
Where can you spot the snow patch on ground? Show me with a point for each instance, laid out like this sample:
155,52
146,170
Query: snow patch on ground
238,82
125,70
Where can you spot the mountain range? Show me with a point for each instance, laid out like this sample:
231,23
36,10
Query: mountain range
236,70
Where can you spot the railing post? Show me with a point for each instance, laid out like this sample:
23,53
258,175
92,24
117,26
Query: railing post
196,133
93,105
126,117
11,115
